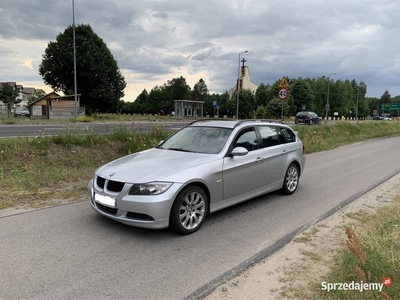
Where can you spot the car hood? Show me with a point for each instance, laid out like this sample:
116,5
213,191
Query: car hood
152,165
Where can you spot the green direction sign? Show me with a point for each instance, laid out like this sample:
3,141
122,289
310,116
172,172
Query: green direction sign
390,106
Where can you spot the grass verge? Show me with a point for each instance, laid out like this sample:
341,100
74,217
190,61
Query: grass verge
36,171
371,257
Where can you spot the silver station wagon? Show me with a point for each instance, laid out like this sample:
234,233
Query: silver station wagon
204,167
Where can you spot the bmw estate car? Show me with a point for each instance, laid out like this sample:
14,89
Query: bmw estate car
204,167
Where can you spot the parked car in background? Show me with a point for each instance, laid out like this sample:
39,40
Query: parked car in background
22,112
382,118
307,117
202,168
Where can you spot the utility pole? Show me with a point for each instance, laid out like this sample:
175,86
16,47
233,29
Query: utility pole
75,84
327,97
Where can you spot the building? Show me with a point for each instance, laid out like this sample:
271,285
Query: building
54,105
23,93
244,81
189,108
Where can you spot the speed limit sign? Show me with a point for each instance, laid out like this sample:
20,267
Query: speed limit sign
283,93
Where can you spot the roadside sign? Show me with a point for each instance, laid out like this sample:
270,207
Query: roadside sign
390,106
283,93
215,103
283,83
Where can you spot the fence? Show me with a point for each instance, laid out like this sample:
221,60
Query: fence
48,112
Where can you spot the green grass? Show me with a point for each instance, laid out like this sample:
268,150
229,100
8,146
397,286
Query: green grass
43,168
88,119
327,137
36,170
372,254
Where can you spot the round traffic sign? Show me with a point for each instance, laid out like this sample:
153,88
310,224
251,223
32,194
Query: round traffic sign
283,93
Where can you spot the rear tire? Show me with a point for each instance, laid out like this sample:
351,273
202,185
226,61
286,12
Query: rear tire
189,210
291,180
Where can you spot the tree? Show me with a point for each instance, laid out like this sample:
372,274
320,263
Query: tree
386,98
302,94
8,95
99,80
274,108
262,95
39,94
142,98
246,104
199,91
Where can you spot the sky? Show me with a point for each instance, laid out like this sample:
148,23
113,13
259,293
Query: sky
154,41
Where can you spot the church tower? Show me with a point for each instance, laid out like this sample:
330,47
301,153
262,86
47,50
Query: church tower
244,80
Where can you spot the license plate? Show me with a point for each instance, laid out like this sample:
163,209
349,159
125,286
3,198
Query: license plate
104,200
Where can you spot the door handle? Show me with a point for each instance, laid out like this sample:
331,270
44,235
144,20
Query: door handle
284,152
258,159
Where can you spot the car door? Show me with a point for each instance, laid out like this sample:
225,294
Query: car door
275,153
243,175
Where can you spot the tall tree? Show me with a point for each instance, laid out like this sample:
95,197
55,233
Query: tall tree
247,107
99,80
386,98
199,91
8,95
262,95
142,98
302,94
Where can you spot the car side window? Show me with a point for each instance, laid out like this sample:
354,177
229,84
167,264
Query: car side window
269,136
288,134
247,139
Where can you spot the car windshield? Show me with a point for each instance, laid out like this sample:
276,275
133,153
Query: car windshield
208,140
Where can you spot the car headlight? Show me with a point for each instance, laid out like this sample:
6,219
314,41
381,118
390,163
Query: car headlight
150,188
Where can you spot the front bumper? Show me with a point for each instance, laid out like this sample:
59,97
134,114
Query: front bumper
149,211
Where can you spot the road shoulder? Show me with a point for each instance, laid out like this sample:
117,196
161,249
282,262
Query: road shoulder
293,271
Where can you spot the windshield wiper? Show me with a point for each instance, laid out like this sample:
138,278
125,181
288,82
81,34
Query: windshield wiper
178,149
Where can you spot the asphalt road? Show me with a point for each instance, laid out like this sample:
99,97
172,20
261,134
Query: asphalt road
70,252
31,130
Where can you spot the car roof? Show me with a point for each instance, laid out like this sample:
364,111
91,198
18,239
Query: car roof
232,123
304,112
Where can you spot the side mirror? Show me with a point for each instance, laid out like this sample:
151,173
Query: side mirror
160,143
239,151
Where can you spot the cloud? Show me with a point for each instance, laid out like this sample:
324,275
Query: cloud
155,41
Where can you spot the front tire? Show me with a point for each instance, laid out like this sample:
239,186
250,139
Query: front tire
189,210
291,180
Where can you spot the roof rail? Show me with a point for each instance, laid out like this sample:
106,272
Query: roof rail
214,119
238,121
258,120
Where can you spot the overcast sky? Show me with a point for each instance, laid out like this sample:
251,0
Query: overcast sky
156,41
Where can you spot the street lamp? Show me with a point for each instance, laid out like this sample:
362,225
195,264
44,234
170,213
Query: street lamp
73,30
327,97
358,94
237,93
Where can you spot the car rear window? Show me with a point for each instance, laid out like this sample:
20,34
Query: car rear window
288,134
269,136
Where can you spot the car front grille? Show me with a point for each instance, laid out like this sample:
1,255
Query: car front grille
112,185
